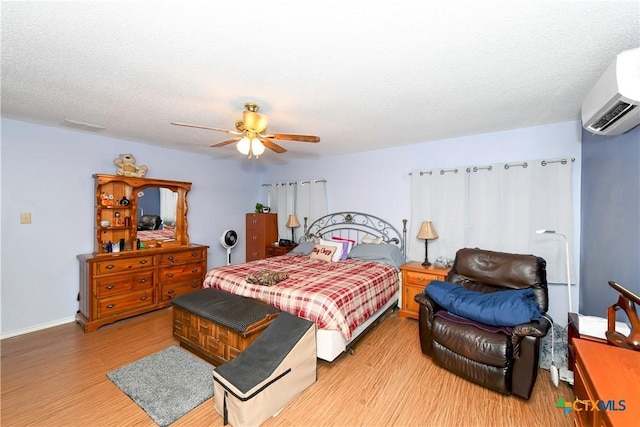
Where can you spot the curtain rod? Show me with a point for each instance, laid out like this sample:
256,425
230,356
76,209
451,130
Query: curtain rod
295,183
489,168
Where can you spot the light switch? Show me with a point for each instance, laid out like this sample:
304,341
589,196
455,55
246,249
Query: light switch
25,217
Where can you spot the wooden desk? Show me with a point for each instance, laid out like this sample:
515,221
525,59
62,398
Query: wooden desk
609,374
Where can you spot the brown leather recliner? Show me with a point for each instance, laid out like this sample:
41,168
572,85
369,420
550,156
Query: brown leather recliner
505,360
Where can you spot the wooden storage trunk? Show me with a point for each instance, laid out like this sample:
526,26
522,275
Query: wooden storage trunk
218,326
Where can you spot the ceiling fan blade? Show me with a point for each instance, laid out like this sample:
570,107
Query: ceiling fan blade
227,141
293,137
233,132
273,146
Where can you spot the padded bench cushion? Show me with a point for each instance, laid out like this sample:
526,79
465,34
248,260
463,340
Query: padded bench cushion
233,311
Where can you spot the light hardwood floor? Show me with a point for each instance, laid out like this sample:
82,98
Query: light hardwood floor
56,377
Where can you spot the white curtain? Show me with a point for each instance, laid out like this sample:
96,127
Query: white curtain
311,202
168,203
304,199
497,207
437,195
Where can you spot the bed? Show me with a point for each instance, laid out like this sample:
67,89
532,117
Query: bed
344,296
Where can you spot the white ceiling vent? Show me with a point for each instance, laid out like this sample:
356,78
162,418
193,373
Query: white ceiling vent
612,106
82,125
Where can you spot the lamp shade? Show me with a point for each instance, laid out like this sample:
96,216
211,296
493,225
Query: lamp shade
292,221
427,231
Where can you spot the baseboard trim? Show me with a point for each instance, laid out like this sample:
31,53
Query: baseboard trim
39,327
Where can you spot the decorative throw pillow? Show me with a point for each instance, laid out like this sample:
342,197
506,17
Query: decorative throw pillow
337,255
267,277
323,253
347,244
373,240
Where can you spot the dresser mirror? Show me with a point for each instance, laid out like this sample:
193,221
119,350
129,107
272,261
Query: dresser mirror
133,211
156,212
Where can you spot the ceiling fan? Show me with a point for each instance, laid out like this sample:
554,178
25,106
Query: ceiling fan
251,133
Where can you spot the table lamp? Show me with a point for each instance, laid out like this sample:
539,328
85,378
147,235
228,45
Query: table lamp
427,232
292,222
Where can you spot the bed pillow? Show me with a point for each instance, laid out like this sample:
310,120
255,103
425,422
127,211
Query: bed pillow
345,248
337,255
347,244
502,308
304,248
372,240
387,253
323,253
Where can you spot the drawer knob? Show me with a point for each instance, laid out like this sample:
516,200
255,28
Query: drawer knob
109,287
143,298
171,291
195,270
194,285
169,275
143,280
110,267
170,258
195,254
111,305
143,261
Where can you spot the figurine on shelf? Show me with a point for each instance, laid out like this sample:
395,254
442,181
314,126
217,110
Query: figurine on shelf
106,199
117,219
124,201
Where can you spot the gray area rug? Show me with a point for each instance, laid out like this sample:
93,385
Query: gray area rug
166,384
559,347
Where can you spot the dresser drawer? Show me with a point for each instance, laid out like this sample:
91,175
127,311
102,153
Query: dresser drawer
113,305
172,290
420,278
180,257
179,273
125,264
114,285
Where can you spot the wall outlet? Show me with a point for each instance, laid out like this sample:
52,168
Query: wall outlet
25,218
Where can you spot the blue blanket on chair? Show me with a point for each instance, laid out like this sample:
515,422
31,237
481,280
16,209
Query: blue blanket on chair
502,308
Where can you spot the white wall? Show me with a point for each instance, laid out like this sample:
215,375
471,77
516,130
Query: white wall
48,172
378,182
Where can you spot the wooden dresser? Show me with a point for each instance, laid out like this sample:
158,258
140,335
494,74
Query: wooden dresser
262,230
609,377
117,286
415,277
135,269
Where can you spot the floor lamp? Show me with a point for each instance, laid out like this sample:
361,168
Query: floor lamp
554,371
566,248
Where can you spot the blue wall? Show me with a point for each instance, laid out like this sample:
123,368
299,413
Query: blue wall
610,219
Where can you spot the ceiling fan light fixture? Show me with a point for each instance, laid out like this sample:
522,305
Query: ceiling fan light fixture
257,147
244,146
254,121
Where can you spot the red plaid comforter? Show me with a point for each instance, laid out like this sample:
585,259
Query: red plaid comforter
335,295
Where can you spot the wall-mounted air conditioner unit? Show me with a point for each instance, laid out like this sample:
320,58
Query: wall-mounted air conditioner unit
612,106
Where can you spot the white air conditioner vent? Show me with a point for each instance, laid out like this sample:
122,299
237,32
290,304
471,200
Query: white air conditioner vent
613,115
612,106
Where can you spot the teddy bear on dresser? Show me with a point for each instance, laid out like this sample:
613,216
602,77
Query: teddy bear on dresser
126,164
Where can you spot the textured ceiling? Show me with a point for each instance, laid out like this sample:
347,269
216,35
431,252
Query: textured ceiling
362,75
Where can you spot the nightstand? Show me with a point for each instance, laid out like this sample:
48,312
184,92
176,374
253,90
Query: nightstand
276,250
415,277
